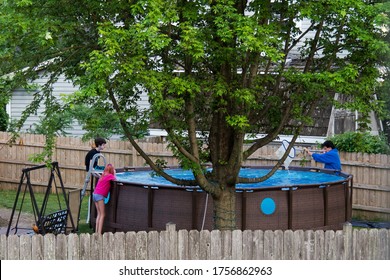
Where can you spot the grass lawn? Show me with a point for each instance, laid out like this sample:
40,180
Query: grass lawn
7,200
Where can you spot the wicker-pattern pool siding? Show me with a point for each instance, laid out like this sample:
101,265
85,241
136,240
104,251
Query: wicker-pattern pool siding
135,207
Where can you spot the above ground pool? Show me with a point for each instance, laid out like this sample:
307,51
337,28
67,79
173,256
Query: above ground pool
280,178
298,198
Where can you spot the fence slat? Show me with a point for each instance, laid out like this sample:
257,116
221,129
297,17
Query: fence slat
278,245
204,245
348,251
37,247
298,245
49,247
258,245
216,245
373,244
13,247
308,253
237,245
268,245
172,241
61,247
153,245
339,240
226,244
329,244
108,246
362,244
193,248
288,242
319,248
120,250
25,247
85,246
73,247
142,245
131,245
182,242
247,245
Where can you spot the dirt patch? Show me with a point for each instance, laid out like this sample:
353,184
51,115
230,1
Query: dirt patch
24,223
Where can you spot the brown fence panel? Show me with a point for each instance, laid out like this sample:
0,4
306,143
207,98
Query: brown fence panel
371,195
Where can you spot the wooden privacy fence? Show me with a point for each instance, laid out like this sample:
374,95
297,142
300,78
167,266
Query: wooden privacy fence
371,195
346,244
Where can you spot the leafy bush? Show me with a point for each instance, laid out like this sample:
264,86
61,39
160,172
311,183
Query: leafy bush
3,119
362,142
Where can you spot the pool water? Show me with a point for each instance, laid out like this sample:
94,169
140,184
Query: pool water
280,178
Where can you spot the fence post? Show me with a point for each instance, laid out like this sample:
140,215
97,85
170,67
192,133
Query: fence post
347,229
172,241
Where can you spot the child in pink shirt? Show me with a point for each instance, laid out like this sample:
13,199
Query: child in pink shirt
100,193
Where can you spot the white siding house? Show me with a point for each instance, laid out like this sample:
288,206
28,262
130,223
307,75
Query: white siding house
21,99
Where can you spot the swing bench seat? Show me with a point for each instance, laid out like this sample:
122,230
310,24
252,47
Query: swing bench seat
54,223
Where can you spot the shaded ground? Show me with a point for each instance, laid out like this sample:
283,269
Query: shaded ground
24,224
369,224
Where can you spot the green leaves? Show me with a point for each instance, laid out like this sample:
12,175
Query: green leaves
238,122
358,142
242,66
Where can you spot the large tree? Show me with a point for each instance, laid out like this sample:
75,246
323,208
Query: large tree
215,71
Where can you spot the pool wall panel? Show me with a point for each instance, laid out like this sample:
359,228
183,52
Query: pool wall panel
139,208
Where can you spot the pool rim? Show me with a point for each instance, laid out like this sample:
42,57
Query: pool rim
347,177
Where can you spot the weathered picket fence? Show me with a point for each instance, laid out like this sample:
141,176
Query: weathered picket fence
346,244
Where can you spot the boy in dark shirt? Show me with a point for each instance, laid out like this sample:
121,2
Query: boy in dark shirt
100,144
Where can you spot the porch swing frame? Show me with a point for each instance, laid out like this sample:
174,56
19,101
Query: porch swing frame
49,223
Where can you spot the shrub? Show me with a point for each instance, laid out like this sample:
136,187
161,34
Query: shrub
3,119
362,142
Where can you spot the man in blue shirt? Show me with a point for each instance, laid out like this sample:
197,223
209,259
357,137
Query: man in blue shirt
330,156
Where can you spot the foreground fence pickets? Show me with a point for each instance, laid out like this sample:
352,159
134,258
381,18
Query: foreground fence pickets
371,195
346,244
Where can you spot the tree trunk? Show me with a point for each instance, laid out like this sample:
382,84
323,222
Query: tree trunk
225,208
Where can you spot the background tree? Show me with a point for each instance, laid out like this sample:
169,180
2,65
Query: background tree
219,69
3,119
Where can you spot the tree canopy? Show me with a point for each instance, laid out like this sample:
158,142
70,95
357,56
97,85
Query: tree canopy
215,71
